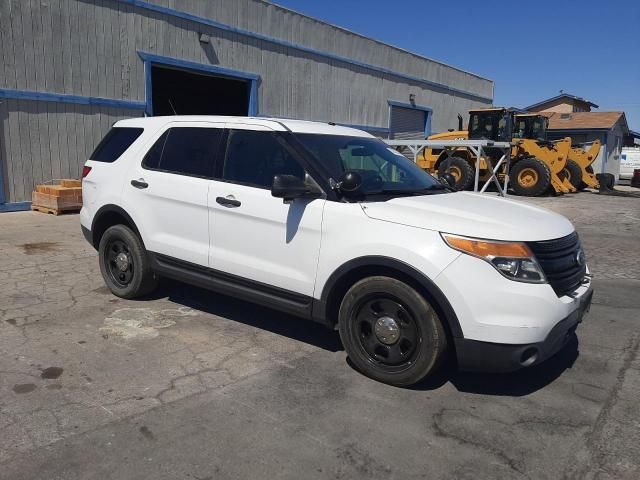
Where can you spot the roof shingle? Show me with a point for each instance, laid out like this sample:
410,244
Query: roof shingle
582,120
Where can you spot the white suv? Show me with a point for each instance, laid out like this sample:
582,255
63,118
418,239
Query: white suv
328,223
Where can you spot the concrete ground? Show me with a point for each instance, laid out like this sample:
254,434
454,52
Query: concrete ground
193,385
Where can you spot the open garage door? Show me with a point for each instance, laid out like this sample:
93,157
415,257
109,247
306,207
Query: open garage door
184,92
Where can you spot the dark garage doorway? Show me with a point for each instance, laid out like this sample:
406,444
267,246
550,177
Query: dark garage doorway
182,92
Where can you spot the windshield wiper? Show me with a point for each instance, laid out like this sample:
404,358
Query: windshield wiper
436,187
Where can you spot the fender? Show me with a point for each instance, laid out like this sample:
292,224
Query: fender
106,210
388,265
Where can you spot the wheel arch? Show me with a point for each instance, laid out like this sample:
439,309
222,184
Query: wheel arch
107,216
326,309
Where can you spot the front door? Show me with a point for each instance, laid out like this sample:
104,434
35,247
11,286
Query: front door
167,191
253,234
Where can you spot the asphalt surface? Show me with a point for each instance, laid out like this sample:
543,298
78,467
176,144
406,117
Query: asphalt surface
187,384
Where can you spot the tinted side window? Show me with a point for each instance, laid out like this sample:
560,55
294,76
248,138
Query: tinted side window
152,158
254,157
185,150
114,144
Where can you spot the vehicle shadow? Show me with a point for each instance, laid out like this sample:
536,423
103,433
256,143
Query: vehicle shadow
238,310
514,384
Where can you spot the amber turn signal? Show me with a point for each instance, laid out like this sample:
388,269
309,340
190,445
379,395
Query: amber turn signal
488,249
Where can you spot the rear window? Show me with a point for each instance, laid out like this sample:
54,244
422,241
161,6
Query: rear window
115,143
185,151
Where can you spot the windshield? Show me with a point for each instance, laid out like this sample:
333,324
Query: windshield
530,127
383,170
538,130
489,126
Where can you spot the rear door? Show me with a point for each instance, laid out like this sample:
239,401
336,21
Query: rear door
166,191
254,235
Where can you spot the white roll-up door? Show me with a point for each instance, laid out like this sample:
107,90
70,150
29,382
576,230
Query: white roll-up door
407,123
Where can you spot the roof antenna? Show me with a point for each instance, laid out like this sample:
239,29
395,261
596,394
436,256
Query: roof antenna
171,105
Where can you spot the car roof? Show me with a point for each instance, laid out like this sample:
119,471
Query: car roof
276,124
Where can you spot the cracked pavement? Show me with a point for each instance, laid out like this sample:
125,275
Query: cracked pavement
188,384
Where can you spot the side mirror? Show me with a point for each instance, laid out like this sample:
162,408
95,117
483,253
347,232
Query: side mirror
290,187
350,183
448,180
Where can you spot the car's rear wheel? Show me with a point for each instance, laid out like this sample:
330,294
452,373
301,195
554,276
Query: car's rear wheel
124,264
390,331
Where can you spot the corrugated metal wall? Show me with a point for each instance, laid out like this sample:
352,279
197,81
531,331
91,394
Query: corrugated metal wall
90,48
40,141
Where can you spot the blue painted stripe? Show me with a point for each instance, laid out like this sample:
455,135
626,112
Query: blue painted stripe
393,103
276,41
253,98
65,98
2,195
15,207
176,62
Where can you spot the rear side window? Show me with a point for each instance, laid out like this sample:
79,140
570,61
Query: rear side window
254,157
186,151
115,143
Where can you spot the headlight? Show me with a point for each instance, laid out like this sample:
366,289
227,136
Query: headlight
514,260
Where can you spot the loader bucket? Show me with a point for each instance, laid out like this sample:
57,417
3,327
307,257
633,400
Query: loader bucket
553,154
584,158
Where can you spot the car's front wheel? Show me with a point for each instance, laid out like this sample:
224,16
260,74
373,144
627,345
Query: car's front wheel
124,264
390,331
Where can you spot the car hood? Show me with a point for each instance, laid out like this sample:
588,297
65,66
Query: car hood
473,215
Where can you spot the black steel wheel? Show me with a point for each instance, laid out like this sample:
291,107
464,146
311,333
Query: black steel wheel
119,262
390,332
124,263
387,332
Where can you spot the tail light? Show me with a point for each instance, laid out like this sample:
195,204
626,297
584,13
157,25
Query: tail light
85,171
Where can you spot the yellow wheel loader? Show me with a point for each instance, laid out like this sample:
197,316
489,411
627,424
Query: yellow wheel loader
530,137
578,170
536,164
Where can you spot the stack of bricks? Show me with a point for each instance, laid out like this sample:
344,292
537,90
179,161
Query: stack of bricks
56,199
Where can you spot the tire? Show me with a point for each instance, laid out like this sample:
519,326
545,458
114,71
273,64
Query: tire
124,263
606,180
530,177
460,169
413,342
573,172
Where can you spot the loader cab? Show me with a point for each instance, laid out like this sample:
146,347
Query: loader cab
533,127
491,124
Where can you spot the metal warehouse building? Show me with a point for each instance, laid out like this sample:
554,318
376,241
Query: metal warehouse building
71,68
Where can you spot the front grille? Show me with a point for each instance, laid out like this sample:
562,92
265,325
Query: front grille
559,261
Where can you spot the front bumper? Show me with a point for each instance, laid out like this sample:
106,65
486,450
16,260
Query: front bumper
474,355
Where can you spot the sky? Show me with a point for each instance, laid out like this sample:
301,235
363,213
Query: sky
531,50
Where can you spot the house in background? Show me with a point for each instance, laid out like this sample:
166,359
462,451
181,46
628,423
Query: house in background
563,103
571,116
585,127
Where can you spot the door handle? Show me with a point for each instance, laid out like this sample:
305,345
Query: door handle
139,183
228,202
